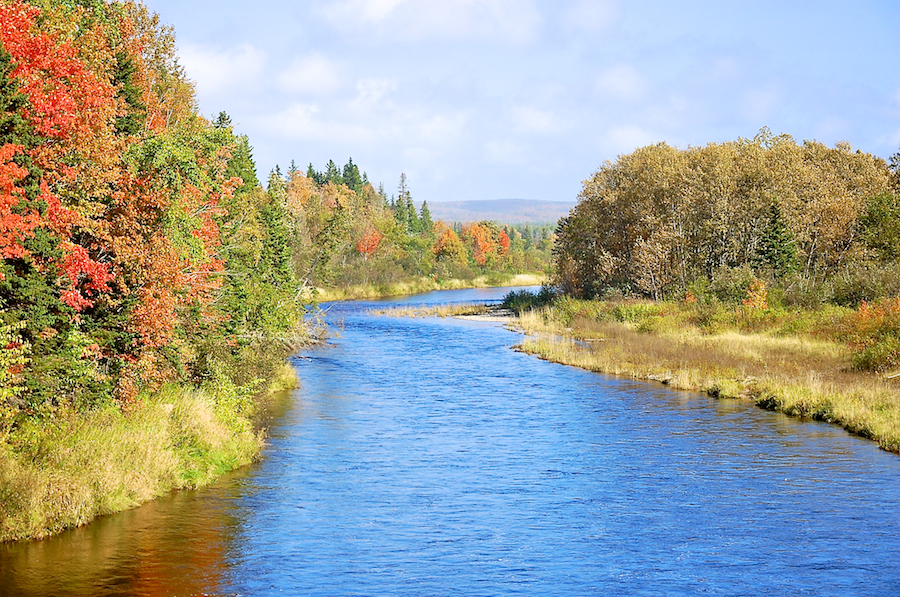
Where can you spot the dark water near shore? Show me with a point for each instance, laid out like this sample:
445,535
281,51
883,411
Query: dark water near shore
424,457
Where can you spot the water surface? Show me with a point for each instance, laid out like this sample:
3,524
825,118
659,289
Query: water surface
424,457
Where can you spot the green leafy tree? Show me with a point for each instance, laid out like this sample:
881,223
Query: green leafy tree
880,226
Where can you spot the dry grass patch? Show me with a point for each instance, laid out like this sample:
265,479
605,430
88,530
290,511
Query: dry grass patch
799,375
425,284
450,310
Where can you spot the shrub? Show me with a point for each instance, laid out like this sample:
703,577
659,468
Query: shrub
730,284
519,301
875,335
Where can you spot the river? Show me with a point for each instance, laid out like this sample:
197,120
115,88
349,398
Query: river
425,457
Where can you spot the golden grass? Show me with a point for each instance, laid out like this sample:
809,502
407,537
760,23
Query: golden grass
798,375
66,470
424,284
450,310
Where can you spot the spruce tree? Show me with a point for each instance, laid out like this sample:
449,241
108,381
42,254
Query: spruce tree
426,224
351,177
777,248
333,174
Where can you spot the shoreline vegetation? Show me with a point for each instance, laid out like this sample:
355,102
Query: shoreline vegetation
794,361
88,465
425,284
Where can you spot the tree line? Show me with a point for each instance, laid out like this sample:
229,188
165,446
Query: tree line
820,223
342,231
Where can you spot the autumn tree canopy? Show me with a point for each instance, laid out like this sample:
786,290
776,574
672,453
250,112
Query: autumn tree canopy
660,218
115,200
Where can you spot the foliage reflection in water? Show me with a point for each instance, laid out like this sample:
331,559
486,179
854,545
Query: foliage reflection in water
424,457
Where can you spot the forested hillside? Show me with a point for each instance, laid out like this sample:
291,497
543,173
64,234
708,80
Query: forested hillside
345,233
143,293
138,247
822,224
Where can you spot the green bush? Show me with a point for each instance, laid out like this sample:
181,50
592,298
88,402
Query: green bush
519,301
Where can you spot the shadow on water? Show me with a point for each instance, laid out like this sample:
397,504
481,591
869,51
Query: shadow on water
424,457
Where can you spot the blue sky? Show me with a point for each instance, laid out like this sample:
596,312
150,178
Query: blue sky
489,99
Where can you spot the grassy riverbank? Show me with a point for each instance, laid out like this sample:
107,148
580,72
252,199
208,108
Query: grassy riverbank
794,361
426,284
63,471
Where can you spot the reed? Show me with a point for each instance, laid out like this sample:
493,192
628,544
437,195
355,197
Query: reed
449,310
424,284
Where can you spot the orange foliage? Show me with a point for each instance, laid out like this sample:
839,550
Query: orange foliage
504,243
483,243
757,296
59,89
448,245
14,227
368,243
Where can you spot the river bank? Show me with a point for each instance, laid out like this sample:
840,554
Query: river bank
65,474
800,373
425,284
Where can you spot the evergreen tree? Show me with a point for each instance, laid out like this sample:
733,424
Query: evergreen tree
242,165
351,177
401,214
405,211
312,174
426,224
777,247
275,261
132,122
415,226
223,121
895,171
333,174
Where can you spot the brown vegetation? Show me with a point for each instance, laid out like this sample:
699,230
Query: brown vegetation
791,361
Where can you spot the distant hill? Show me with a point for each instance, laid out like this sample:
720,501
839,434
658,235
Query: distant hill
507,211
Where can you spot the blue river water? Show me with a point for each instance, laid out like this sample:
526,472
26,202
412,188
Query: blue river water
426,457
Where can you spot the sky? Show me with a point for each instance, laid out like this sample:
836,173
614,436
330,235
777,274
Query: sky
491,99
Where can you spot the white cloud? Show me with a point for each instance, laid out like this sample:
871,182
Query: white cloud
591,15
311,75
307,122
217,70
527,119
368,124
512,21
622,82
